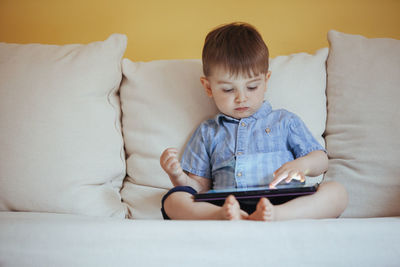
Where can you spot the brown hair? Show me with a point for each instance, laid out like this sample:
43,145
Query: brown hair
237,47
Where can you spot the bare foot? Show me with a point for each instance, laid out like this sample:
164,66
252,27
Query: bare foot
264,211
231,209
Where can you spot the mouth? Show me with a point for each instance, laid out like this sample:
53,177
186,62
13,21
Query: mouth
242,109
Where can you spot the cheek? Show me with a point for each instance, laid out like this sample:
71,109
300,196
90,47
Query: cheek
223,100
261,94
221,97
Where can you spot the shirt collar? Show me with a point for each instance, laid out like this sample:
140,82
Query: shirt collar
262,112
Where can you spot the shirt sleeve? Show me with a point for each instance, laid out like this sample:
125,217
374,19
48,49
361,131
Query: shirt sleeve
196,159
300,139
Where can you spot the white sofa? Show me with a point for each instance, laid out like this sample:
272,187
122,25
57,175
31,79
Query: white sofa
81,131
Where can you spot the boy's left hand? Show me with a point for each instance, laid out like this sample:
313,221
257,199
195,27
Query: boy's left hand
288,171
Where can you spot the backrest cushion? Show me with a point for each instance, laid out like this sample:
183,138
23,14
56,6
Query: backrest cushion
163,102
363,125
60,134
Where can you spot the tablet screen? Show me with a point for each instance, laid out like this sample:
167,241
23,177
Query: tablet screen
258,188
282,190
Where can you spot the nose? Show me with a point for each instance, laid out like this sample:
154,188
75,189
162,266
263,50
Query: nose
241,96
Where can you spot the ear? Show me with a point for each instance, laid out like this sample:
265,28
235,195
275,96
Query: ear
268,76
206,85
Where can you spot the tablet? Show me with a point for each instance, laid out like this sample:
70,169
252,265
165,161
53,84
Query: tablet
283,192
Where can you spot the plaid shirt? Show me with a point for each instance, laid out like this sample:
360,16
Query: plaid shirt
245,153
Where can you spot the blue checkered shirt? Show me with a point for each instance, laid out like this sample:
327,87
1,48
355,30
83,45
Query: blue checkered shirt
245,153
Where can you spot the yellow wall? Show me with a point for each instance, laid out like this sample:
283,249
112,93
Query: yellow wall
168,29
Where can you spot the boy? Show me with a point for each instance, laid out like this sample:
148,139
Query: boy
248,144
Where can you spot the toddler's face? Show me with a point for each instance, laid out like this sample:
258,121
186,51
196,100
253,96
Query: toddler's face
236,96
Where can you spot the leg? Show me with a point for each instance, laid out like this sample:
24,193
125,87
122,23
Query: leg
329,201
181,206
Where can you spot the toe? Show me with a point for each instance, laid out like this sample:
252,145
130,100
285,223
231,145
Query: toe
230,199
263,204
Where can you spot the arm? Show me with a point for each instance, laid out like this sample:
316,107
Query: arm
170,163
312,164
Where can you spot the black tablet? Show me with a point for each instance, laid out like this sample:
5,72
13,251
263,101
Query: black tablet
282,192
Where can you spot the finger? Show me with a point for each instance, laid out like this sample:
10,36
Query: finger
277,180
164,158
166,163
169,151
164,155
171,163
302,177
173,150
168,155
288,179
278,172
292,175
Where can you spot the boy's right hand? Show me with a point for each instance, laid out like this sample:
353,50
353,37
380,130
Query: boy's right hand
170,163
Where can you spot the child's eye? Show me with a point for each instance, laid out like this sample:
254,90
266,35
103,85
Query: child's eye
227,90
251,88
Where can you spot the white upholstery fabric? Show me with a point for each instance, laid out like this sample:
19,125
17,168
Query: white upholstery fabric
163,102
363,126
32,239
298,84
60,135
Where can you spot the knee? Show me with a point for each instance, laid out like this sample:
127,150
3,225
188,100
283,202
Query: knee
174,201
175,197
340,194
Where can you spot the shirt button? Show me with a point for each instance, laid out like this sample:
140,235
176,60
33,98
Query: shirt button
239,174
268,130
243,124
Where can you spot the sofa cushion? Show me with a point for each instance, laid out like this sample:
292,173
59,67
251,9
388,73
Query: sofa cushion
163,102
60,137
363,126
63,240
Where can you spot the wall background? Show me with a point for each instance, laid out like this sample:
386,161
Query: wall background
175,29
